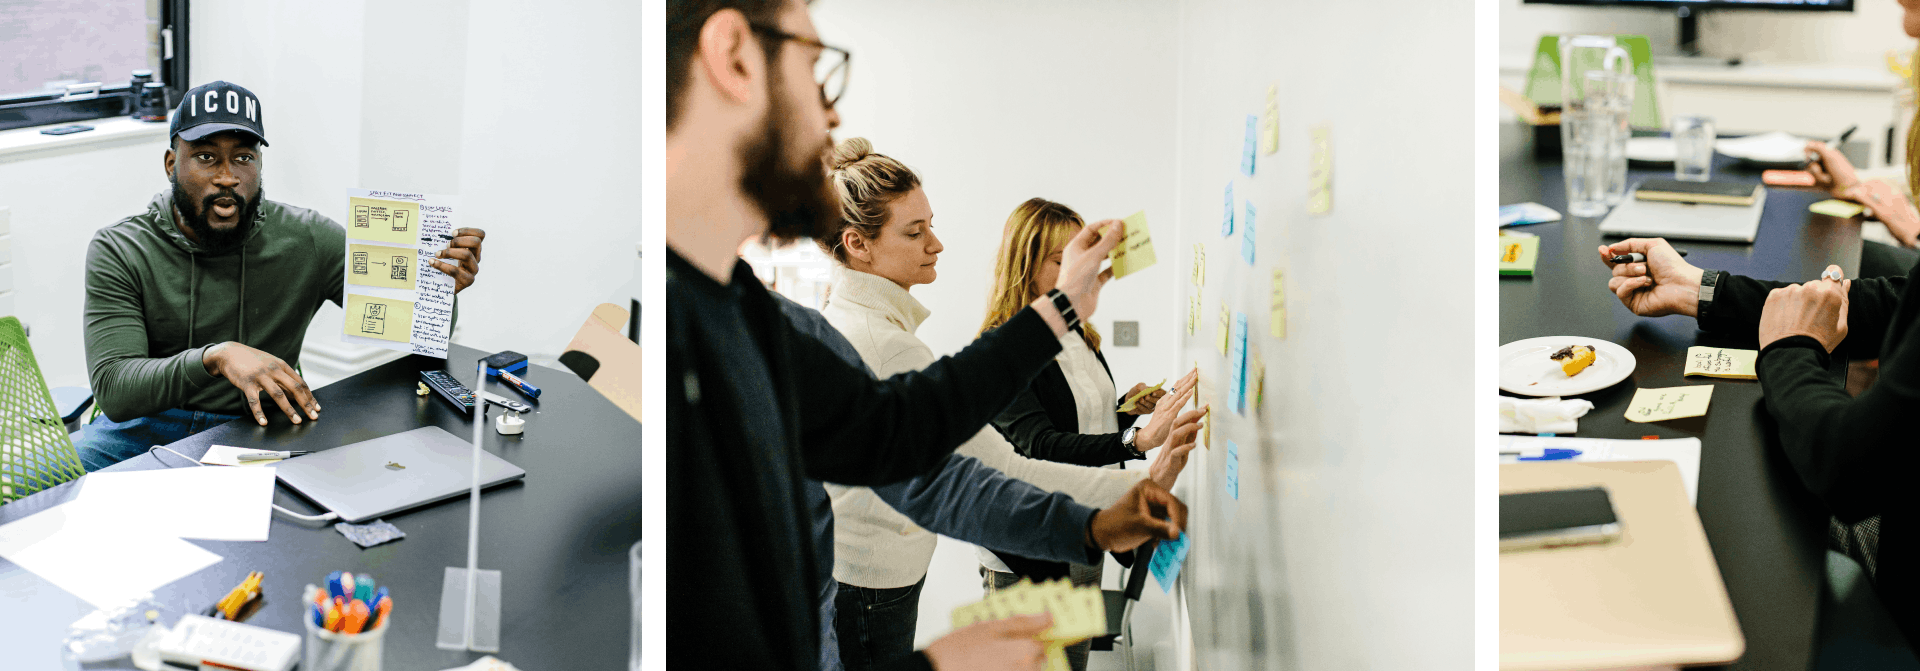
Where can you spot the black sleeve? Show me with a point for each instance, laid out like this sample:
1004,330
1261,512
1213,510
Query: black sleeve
1851,452
1026,425
917,661
1738,302
856,430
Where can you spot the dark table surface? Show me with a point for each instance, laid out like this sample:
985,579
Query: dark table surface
1766,530
560,537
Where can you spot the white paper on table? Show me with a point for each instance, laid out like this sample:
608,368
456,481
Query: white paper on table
430,324
95,559
220,504
228,455
1682,451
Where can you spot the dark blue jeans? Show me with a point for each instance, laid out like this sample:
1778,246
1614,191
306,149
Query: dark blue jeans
875,625
104,442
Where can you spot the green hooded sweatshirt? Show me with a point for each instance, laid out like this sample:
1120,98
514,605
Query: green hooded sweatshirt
156,301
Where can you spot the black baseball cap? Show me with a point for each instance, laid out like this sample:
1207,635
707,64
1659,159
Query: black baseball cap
215,107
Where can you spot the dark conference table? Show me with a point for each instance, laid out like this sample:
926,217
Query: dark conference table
560,537
1767,531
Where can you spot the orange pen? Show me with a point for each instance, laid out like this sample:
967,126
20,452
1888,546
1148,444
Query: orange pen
333,619
356,617
380,617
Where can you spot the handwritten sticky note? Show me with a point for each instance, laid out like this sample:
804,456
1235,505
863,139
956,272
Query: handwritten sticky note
382,318
1135,251
1656,405
1226,220
1257,386
1320,171
1237,365
1226,317
1193,315
1246,235
378,266
1199,265
1277,320
1270,122
383,220
1233,470
1252,142
1734,364
1518,255
1132,400
1167,559
1837,208
1078,613
1206,421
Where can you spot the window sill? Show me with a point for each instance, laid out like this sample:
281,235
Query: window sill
21,144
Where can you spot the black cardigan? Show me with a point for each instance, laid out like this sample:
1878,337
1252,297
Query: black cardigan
1044,423
1856,454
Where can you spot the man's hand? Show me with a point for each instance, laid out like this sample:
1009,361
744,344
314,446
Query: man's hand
1146,512
1080,275
464,249
1173,456
1664,284
254,371
1156,430
1831,170
1012,643
1817,309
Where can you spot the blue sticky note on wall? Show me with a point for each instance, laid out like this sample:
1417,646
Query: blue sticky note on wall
1233,470
1237,364
1167,559
1253,140
1246,235
1226,220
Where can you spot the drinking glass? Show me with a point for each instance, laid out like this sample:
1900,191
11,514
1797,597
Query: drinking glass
1610,98
1692,148
1587,119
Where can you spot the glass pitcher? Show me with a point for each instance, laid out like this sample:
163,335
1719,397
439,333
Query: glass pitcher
1592,137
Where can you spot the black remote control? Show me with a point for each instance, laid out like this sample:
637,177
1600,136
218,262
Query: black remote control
458,394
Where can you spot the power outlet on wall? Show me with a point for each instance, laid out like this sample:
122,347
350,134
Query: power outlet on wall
1126,334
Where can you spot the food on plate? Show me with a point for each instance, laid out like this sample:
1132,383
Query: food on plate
1574,358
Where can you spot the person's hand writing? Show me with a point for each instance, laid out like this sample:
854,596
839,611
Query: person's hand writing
464,250
1664,284
1012,643
1817,309
1173,456
1162,423
254,372
1146,512
1831,170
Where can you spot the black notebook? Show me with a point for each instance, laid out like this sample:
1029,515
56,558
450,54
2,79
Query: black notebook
1717,193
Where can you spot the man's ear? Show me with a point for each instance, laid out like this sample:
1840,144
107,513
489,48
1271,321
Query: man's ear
167,161
729,55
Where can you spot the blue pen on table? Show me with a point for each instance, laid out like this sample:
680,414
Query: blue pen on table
1548,454
530,390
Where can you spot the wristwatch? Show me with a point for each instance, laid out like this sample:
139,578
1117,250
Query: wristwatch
1708,279
1126,439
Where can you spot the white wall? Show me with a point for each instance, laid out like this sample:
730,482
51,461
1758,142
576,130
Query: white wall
1857,39
481,99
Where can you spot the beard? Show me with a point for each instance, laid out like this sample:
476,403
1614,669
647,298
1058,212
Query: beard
798,203
213,240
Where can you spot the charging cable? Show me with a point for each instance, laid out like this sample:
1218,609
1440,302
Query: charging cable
329,517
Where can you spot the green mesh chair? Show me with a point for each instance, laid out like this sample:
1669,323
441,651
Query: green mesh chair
35,452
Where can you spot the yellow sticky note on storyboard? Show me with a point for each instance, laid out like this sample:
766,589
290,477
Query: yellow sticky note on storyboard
383,318
377,266
1135,251
1657,405
1735,364
381,220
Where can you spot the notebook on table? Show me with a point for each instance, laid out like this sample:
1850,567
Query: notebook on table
1636,217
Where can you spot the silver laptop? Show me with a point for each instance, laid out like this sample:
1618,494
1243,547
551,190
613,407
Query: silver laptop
1659,219
389,474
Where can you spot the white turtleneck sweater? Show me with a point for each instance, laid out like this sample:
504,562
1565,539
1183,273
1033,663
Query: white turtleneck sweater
873,545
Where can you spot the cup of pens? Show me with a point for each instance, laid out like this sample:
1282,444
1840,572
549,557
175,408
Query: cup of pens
346,624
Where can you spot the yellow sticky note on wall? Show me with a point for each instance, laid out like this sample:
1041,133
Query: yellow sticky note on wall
1320,172
1135,251
1277,320
1199,265
1226,317
383,318
1270,122
394,221
1193,315
1656,405
1734,364
377,266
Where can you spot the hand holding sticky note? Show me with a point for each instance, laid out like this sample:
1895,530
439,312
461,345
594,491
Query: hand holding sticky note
1133,401
1167,558
1837,208
1735,364
1078,613
1135,251
1658,405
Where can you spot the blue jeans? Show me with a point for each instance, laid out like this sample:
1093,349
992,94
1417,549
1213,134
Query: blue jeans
875,625
104,442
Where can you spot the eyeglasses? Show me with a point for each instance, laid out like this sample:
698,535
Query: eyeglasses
830,72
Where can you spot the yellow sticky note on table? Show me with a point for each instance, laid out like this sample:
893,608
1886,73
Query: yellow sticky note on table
1131,400
1735,364
1657,405
377,266
1837,208
383,318
1225,318
1135,251
394,221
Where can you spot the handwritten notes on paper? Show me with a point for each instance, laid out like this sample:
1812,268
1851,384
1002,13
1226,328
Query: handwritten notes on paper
1252,142
1270,122
1736,364
1277,320
1320,172
1226,316
1199,265
1167,559
1657,405
1246,235
395,298
1193,315
1135,251
1079,613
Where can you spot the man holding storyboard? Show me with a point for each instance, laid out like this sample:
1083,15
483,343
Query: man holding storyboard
197,308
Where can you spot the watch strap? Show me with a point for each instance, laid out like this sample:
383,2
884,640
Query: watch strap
1065,306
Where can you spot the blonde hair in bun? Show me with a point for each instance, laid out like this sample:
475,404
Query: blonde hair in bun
866,183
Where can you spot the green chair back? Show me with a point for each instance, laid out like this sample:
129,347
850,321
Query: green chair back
35,452
1543,81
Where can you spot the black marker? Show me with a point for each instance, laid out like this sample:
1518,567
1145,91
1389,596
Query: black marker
1637,257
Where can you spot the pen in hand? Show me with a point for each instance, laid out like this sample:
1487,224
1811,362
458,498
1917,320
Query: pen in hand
1637,257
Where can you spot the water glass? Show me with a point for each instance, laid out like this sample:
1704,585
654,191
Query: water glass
1693,148
1610,98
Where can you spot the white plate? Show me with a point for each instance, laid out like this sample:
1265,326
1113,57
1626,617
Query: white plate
1526,369
1772,149
1650,149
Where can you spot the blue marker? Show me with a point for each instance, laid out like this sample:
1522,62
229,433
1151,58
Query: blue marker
1553,454
530,390
363,587
379,595
334,588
